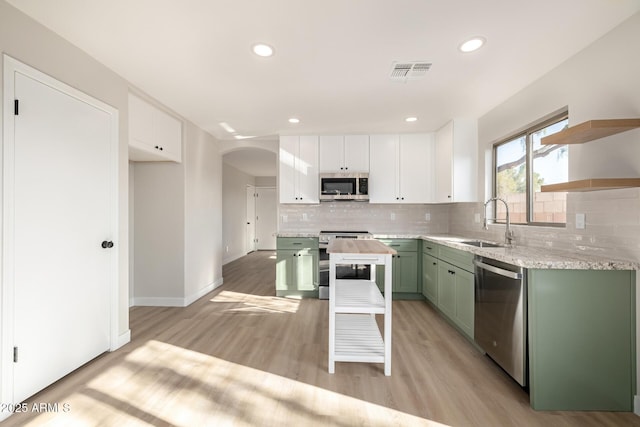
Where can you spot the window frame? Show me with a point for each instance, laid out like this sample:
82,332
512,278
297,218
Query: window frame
527,134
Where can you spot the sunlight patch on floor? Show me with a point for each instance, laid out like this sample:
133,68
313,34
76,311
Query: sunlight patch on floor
160,383
255,304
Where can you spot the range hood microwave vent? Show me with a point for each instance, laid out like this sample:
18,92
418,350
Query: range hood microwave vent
409,70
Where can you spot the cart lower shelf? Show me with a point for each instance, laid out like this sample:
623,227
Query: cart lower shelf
358,339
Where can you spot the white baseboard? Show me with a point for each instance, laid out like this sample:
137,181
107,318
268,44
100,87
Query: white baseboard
158,302
122,340
636,405
176,302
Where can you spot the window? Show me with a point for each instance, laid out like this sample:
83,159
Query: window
522,166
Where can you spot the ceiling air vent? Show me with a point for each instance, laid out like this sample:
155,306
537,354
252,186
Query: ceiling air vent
403,71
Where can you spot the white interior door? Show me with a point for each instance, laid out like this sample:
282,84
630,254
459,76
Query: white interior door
251,219
266,218
57,180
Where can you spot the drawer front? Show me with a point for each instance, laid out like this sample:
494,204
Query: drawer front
364,259
430,248
459,258
297,243
402,245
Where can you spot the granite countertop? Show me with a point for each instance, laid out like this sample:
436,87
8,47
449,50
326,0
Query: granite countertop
523,256
531,257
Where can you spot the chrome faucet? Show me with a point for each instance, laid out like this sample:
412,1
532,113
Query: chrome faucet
509,238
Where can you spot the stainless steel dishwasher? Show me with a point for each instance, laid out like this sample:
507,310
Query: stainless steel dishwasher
501,315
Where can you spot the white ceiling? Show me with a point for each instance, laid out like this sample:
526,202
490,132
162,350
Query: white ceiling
332,57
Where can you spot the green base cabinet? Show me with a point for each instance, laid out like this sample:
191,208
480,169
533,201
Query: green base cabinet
581,340
430,277
456,294
405,267
297,267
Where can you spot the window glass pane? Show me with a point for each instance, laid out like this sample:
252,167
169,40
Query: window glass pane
511,179
550,166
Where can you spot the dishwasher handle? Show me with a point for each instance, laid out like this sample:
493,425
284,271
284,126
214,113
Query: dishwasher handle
497,270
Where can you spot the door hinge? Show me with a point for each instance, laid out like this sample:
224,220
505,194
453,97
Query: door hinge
16,107
15,354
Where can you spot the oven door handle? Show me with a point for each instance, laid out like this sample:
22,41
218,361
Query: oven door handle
497,270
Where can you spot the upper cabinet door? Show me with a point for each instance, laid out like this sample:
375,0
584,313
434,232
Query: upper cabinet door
331,153
287,169
383,172
456,162
344,154
298,169
356,153
416,168
153,134
307,168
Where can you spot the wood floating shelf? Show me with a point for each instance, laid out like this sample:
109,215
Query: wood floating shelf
592,184
591,130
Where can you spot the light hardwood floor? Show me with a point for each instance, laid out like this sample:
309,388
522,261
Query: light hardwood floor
240,356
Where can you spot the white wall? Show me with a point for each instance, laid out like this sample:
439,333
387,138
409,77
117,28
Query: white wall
177,221
203,213
33,44
234,202
159,233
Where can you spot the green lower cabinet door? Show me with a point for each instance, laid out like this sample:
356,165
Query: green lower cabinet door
285,261
306,270
465,301
447,289
582,340
405,272
430,278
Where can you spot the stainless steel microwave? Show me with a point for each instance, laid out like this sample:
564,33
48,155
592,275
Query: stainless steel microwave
344,186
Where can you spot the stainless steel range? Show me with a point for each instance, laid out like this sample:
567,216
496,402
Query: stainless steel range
342,271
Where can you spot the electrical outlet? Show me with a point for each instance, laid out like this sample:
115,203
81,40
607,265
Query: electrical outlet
476,218
427,217
304,216
580,221
227,249
284,218
393,216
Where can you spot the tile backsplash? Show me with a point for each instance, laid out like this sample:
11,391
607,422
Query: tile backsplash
612,225
612,222
375,218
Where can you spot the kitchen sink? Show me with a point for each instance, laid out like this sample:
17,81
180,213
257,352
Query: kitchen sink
481,244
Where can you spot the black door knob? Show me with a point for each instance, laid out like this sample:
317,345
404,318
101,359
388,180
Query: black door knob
106,244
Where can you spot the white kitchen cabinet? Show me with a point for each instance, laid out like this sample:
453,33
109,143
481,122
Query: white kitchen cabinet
401,168
153,134
298,169
349,153
456,156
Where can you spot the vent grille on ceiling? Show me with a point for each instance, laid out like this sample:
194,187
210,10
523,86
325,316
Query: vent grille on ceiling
403,71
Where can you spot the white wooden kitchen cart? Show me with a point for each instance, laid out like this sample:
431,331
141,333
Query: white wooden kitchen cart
354,335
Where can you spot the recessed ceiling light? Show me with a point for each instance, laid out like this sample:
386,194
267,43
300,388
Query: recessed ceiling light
294,120
262,49
472,44
411,119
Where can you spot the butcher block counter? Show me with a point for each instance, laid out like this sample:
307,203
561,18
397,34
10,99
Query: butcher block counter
359,246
